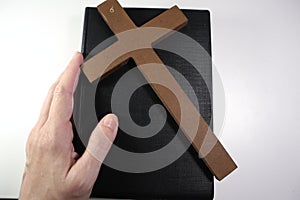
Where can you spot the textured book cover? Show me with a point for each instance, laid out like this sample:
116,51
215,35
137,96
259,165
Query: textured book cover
185,178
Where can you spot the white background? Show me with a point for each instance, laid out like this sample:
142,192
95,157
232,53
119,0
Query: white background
256,48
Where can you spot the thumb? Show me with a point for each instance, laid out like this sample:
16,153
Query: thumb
87,167
102,137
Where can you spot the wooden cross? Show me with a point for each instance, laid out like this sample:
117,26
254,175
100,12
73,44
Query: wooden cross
217,159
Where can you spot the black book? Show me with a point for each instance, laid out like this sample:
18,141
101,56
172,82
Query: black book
185,178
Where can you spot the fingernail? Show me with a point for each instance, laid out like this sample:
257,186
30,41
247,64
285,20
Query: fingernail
110,121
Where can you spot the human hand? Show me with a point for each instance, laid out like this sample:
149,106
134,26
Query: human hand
53,170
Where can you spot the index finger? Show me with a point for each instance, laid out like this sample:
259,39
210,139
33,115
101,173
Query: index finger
62,103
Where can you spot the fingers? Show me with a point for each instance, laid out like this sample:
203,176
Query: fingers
99,144
46,106
62,101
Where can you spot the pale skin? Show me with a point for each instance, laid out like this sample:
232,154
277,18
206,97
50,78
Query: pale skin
53,169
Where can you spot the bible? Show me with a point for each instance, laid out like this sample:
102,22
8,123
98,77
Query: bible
185,177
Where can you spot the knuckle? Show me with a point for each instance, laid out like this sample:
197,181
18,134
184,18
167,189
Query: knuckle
43,144
55,136
31,141
29,145
46,141
61,90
